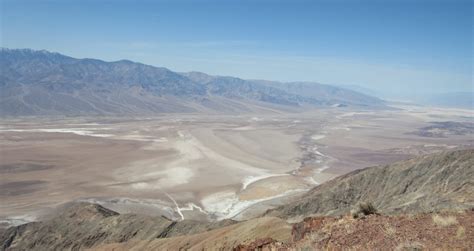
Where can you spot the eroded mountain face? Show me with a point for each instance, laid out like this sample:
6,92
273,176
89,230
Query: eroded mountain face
45,83
425,185
85,225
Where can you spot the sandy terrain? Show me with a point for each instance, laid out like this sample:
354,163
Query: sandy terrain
201,167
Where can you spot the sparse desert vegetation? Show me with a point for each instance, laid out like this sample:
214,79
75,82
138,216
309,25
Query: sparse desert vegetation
444,221
364,209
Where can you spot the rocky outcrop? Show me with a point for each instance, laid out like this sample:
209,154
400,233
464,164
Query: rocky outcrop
225,238
85,225
445,231
258,244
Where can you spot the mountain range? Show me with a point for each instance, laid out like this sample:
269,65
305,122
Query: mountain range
36,82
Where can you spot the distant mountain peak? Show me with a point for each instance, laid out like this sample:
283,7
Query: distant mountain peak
125,61
28,51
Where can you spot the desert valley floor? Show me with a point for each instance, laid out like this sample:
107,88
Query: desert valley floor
205,166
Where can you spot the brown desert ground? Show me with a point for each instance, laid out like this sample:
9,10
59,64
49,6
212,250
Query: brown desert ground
205,167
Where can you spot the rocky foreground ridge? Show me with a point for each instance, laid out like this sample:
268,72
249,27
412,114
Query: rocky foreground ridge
422,203
429,231
429,183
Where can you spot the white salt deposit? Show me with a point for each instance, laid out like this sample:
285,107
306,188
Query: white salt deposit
318,136
78,131
252,179
226,205
169,177
256,119
311,180
17,220
320,170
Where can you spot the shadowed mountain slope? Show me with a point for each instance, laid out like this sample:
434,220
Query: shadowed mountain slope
424,184
327,94
85,225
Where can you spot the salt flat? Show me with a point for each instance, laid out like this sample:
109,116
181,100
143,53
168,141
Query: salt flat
200,166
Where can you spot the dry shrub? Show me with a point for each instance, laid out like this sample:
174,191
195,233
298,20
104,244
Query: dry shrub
444,221
363,209
461,233
388,229
411,246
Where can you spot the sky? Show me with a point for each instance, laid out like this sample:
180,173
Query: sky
397,48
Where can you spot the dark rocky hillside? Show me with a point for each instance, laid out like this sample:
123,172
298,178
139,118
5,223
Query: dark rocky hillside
85,225
425,184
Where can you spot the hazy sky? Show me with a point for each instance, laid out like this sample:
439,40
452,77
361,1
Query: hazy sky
404,47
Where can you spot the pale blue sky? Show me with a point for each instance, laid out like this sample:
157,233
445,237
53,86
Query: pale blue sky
397,47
